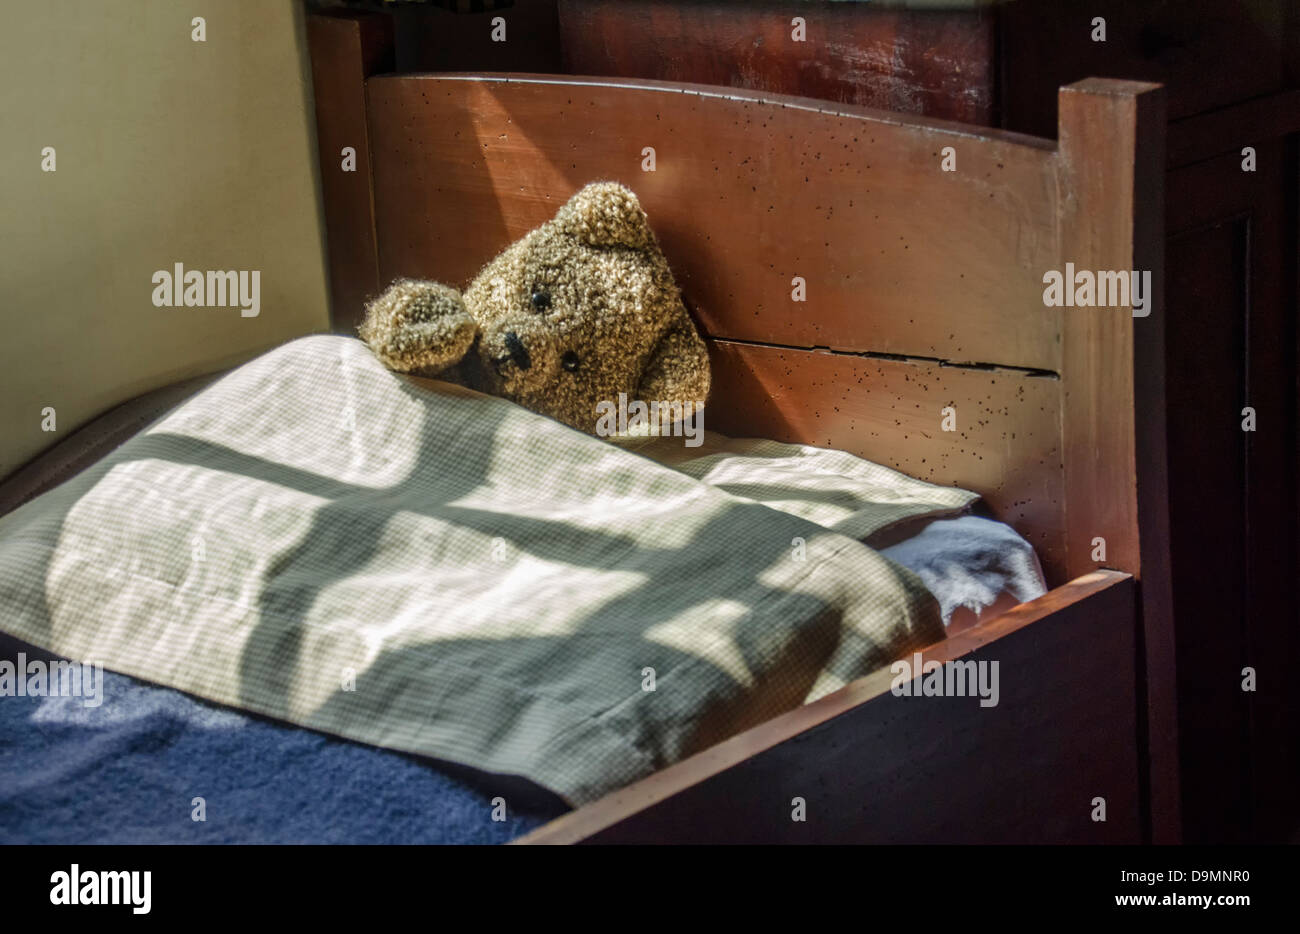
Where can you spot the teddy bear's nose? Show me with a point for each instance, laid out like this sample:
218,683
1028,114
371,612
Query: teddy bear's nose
518,353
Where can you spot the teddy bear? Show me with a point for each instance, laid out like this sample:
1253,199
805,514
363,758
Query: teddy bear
580,314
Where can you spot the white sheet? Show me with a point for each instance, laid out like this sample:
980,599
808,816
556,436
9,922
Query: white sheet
971,563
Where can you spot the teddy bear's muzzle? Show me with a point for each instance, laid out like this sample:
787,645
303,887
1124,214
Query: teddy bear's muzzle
516,352
519,360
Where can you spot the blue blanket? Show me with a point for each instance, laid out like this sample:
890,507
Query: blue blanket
128,771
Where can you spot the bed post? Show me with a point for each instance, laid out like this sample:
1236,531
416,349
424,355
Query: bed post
346,49
1112,220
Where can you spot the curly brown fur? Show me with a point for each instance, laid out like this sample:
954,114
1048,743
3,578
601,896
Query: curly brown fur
576,312
418,326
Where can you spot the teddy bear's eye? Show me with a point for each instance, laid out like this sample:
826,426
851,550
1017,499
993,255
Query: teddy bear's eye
569,361
541,299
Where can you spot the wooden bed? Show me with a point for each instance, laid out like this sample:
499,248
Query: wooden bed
924,290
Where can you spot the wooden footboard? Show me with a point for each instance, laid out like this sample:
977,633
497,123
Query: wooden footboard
1053,761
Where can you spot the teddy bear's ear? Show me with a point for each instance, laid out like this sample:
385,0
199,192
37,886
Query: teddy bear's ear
606,214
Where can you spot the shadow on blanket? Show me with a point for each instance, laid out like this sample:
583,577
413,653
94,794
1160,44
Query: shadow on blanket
152,745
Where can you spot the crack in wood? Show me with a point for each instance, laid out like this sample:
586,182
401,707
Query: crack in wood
916,359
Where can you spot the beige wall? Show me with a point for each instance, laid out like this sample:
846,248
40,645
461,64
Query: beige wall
168,150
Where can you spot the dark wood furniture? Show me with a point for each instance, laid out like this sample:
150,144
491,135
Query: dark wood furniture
1232,73
927,292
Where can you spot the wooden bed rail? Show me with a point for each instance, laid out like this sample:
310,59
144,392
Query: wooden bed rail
855,752
346,49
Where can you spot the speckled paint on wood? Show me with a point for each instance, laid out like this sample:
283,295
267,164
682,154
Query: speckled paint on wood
1006,442
749,191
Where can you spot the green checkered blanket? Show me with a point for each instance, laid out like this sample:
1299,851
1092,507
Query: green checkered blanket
406,563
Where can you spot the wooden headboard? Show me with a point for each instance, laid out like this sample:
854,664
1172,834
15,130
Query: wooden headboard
923,288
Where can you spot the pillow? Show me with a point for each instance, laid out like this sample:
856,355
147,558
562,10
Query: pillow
971,564
834,489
